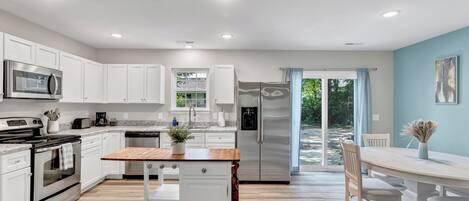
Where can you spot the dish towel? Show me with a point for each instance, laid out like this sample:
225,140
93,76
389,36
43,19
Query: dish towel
66,156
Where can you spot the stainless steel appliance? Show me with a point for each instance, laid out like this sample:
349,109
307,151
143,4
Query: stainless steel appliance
81,123
31,82
48,182
264,135
140,139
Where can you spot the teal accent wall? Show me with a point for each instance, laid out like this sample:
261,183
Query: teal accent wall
414,88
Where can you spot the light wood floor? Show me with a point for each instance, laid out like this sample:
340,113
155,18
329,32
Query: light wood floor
317,186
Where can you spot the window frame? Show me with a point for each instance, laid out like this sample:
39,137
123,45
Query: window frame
174,71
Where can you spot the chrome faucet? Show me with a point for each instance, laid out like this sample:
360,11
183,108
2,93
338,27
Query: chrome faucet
192,124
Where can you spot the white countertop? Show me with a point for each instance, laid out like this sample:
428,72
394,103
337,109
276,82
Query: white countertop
11,148
97,130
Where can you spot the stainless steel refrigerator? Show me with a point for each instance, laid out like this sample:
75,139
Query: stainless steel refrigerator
264,131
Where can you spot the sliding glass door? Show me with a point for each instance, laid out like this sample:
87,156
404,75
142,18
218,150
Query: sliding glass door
327,117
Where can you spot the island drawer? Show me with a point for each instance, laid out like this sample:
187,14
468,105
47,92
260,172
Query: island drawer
205,169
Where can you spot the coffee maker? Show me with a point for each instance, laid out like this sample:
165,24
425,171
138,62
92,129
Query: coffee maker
101,119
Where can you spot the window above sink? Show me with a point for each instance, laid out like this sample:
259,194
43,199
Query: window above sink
190,86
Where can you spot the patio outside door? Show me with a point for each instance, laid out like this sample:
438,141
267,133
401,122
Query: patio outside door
327,117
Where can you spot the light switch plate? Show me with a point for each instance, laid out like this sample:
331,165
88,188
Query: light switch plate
376,117
160,116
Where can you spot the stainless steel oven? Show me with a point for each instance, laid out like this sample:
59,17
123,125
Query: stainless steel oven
30,81
49,179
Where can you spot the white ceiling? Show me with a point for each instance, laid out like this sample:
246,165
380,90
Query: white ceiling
256,24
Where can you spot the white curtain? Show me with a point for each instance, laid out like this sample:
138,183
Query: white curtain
295,77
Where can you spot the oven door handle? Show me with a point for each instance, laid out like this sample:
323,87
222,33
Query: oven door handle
41,150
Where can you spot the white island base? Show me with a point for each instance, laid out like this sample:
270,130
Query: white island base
198,181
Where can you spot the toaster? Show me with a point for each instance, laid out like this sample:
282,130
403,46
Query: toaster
81,123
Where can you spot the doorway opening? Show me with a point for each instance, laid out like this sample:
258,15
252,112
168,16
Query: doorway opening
326,118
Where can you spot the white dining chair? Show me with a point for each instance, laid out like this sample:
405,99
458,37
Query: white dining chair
364,188
377,140
448,199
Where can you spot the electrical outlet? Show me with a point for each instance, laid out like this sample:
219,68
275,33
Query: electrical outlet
160,116
376,117
125,116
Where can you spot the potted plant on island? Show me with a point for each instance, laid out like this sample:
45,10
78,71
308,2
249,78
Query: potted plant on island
422,131
179,135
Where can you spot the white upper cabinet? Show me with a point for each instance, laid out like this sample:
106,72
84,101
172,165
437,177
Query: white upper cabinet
19,49
72,72
224,84
154,84
136,83
47,57
1,68
116,83
93,82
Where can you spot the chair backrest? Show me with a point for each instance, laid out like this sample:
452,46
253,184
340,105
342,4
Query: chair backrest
352,168
377,140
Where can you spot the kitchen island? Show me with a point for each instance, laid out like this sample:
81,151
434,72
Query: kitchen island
204,174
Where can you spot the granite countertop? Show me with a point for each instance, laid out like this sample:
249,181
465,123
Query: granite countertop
98,130
12,148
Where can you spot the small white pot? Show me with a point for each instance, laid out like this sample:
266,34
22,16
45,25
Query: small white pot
52,127
178,148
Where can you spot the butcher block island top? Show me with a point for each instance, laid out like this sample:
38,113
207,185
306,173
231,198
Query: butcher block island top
204,174
160,154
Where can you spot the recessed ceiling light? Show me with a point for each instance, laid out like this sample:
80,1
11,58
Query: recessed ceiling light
116,35
353,44
227,36
391,13
188,45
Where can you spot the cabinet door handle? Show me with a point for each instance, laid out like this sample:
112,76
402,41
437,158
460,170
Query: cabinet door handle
226,190
204,170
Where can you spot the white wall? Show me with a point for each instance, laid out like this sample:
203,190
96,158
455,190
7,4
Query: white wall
25,29
33,32
251,65
254,65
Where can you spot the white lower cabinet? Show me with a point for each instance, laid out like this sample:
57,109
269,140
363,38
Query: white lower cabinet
90,165
203,181
16,185
220,140
197,142
112,142
204,140
1,69
205,189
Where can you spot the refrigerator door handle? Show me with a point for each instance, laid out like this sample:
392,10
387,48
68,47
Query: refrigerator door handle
261,138
259,121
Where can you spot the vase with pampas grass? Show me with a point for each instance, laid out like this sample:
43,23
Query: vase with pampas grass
422,131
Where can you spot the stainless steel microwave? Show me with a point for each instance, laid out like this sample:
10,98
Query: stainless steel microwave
31,82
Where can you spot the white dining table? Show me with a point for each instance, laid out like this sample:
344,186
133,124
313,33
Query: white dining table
420,176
